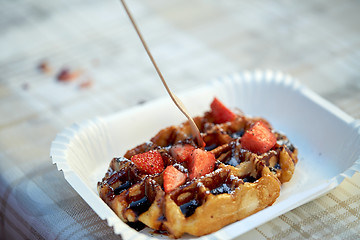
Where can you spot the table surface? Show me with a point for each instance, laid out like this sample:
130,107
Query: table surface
105,70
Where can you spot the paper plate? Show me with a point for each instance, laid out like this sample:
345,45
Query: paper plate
327,138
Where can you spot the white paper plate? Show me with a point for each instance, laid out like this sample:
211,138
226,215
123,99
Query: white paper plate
327,138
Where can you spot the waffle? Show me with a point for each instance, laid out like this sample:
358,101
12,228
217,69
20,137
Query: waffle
241,183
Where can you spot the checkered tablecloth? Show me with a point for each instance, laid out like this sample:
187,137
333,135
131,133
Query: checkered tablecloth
317,42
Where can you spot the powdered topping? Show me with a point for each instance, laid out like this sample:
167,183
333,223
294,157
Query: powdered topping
181,168
179,180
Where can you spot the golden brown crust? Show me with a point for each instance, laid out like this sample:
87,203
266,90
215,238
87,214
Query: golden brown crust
242,183
220,210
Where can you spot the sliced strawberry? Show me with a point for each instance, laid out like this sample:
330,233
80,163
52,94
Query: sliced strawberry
201,162
173,178
181,152
220,112
149,162
258,139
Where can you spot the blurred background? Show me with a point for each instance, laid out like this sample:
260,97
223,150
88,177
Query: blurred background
193,42
67,61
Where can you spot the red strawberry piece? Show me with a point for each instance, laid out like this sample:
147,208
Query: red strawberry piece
149,162
258,139
201,162
181,152
220,112
173,178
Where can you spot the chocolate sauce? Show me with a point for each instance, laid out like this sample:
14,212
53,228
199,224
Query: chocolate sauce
160,232
238,134
211,147
140,206
287,143
249,179
290,147
113,178
275,168
233,162
122,187
223,188
188,208
234,158
138,226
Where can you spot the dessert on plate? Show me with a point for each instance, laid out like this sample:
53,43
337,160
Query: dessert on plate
175,187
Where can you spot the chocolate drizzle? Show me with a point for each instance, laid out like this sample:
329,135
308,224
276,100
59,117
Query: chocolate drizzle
122,187
140,205
223,188
189,208
249,179
138,226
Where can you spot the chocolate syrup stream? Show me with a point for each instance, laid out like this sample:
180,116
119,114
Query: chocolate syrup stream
194,129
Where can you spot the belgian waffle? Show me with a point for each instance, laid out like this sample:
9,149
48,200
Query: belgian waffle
241,183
